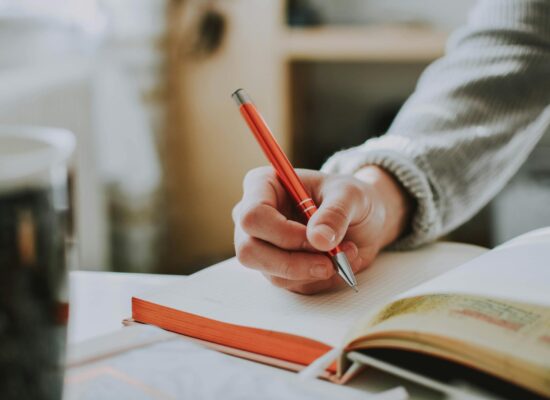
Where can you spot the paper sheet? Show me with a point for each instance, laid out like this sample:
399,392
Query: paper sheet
178,369
518,272
231,293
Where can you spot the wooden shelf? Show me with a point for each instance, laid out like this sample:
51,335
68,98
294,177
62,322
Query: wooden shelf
388,43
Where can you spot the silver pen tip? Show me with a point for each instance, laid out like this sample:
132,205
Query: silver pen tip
344,269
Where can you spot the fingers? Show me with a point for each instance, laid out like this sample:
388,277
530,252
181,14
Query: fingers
290,265
264,222
260,185
342,205
271,260
311,287
260,212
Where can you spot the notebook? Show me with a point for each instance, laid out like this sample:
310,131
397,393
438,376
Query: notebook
488,310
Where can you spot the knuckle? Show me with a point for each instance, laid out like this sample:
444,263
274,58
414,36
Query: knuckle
235,212
286,267
353,192
245,251
256,173
249,217
287,241
337,211
250,175
293,266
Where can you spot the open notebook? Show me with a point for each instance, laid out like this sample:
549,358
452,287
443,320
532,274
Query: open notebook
489,310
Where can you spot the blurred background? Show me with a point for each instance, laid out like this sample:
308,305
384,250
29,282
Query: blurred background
145,85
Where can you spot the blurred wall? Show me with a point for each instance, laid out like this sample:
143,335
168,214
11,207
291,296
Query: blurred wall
442,14
95,68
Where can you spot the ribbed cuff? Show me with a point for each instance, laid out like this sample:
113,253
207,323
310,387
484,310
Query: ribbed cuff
397,155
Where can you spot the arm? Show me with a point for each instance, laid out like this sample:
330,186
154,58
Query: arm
474,118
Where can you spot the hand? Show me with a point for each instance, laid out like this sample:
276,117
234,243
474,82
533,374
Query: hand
363,213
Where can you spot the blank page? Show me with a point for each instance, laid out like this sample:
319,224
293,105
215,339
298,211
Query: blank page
231,293
518,272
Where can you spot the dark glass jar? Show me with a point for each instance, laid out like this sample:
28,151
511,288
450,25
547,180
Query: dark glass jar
33,228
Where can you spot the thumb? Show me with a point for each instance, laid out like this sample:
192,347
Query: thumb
328,226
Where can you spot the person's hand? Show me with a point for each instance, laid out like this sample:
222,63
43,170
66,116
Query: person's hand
362,213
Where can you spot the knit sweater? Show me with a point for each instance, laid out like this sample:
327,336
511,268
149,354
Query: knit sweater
474,117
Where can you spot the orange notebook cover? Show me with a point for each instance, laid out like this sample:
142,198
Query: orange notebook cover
292,350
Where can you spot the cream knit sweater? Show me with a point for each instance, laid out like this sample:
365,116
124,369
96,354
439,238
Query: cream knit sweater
473,119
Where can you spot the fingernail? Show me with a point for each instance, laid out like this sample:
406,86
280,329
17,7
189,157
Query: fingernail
327,232
319,271
350,249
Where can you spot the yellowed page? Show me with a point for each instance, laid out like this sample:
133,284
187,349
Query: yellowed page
517,272
507,338
511,328
234,294
493,311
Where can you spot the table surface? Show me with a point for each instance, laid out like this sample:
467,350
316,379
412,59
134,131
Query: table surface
99,301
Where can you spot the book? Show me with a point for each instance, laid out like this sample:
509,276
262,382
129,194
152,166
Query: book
488,310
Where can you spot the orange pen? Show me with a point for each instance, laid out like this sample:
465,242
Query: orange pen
287,176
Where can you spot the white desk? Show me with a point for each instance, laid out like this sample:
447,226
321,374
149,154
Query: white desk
99,301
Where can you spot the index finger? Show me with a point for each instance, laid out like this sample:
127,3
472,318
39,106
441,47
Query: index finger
261,185
260,212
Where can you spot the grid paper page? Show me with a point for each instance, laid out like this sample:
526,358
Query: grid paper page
231,293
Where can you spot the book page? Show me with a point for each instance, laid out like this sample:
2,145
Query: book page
231,293
517,272
506,338
541,235
493,312
510,328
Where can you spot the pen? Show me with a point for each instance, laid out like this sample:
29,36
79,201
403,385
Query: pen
287,176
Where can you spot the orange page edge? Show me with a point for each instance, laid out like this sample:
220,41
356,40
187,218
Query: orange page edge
271,344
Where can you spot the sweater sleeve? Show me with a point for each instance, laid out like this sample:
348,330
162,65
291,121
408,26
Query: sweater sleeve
473,119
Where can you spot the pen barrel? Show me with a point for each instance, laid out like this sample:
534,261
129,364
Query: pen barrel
284,169
307,207
276,157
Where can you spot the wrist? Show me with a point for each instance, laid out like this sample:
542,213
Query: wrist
395,199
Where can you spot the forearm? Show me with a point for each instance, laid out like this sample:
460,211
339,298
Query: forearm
474,118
